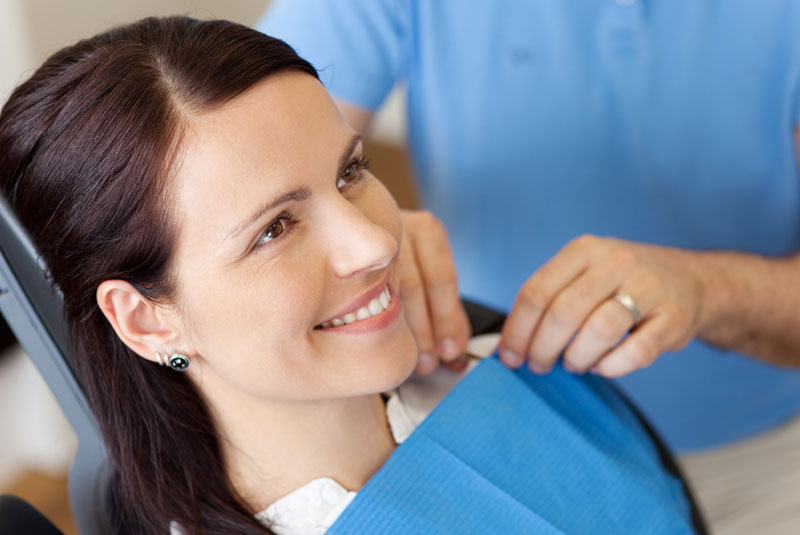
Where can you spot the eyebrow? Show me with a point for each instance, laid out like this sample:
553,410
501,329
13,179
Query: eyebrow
295,195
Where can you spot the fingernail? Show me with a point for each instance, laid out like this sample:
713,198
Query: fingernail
424,362
567,366
449,348
457,365
536,368
509,358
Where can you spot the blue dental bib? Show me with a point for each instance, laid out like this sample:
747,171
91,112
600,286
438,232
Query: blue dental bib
510,452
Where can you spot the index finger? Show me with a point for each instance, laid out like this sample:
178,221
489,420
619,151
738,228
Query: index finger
535,297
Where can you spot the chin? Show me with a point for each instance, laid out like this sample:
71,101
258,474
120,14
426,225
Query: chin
374,366
405,359
394,368
403,373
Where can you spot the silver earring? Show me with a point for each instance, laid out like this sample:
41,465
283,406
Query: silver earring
178,362
158,356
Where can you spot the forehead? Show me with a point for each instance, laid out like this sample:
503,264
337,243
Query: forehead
267,140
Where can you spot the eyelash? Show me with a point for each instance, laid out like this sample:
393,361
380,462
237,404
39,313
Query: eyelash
362,164
286,220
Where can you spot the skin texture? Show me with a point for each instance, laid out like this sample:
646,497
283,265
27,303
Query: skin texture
246,315
736,301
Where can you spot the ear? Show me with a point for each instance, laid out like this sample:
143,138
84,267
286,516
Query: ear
139,323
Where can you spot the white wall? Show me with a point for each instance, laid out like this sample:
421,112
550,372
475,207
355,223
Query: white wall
16,51
33,430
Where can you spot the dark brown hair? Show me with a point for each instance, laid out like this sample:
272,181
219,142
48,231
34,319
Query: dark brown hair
86,147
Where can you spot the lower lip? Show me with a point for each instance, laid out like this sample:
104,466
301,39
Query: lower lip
373,323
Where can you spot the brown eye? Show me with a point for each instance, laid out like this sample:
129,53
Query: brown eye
273,231
350,174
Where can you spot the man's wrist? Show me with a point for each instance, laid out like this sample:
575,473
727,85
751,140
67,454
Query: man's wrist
747,300
721,291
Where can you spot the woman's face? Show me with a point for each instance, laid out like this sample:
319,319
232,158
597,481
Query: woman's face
284,242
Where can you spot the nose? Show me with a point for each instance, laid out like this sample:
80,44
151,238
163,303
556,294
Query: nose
356,243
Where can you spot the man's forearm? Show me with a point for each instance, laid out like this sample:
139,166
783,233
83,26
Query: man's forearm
751,304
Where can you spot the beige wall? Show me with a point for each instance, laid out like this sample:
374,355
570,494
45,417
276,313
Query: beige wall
31,30
16,51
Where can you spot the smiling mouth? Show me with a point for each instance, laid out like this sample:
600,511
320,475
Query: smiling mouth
375,307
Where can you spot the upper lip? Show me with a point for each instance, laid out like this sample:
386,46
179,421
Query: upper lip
362,300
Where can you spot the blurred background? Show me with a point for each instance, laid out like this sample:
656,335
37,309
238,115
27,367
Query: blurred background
36,442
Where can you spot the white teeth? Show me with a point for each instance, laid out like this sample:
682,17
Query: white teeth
384,299
375,307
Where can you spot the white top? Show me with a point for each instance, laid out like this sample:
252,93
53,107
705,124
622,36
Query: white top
314,507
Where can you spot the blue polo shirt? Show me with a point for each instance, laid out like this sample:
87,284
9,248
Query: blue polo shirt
530,123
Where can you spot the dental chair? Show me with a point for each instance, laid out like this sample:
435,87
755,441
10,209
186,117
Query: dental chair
33,310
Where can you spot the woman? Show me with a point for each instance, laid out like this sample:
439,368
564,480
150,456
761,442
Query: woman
227,267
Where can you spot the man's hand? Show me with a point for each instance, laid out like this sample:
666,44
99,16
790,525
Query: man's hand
567,307
429,292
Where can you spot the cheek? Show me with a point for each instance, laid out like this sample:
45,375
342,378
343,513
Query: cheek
380,207
256,337
244,316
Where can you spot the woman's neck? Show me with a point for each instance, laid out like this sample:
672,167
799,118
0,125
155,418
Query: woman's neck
272,449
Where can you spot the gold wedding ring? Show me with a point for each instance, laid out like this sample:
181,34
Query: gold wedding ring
628,304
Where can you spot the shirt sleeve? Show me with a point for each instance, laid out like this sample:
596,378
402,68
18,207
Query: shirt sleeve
357,46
